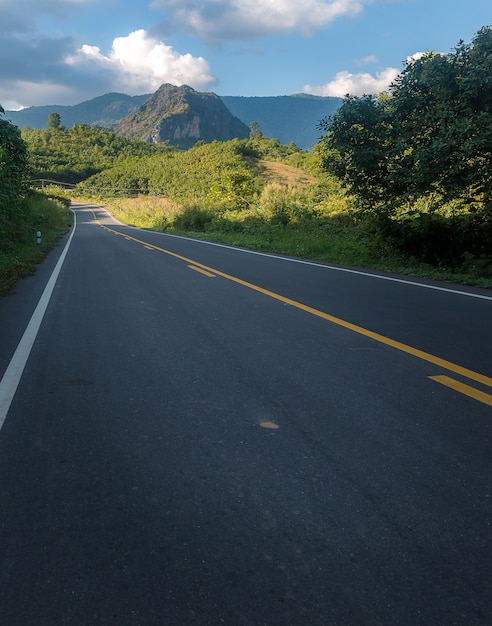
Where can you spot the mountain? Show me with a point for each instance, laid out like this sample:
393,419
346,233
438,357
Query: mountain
101,111
181,116
286,118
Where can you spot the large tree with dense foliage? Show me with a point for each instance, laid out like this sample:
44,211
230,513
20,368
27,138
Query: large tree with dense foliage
420,156
13,161
431,134
14,172
356,147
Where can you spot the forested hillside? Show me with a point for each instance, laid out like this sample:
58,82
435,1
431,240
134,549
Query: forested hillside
73,154
214,176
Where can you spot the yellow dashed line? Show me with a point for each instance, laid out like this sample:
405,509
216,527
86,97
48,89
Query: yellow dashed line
198,269
420,354
465,389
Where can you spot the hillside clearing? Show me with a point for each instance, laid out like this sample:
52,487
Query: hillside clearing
283,174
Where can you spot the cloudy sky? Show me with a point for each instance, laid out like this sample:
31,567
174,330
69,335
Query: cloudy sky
68,51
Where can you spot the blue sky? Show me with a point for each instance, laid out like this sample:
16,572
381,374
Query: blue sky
68,51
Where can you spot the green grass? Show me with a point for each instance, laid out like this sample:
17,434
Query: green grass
19,250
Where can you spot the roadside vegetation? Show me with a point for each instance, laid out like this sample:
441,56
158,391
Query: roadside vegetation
402,182
24,212
254,193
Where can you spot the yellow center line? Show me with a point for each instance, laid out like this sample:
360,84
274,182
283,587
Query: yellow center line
465,389
420,354
199,269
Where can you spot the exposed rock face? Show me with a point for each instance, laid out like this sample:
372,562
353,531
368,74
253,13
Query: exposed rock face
182,116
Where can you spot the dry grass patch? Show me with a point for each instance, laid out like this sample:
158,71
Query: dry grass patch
283,174
156,212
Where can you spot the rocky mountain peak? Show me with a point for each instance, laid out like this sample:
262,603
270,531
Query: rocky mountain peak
181,116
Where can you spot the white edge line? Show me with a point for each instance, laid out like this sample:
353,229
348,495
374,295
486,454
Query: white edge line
333,268
13,373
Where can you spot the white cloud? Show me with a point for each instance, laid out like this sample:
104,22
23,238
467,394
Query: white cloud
367,60
415,57
362,83
355,84
231,19
139,63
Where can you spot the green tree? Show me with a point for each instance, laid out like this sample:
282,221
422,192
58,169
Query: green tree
13,162
356,147
14,173
475,138
432,134
254,131
54,120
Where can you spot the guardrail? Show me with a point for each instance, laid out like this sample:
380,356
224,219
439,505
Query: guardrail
127,193
41,182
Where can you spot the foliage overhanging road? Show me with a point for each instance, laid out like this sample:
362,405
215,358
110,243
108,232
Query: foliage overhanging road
203,435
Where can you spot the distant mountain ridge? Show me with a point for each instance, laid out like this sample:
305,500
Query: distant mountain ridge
181,116
287,118
101,111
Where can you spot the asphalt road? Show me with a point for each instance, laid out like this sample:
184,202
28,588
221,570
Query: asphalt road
203,435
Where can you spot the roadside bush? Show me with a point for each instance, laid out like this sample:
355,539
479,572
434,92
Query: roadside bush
446,237
194,218
20,252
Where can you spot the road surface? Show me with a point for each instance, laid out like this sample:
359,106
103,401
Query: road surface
204,435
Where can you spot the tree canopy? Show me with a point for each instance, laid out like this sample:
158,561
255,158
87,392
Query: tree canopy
14,167
418,159
431,134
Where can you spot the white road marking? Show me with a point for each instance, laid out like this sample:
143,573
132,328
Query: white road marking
334,268
13,373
